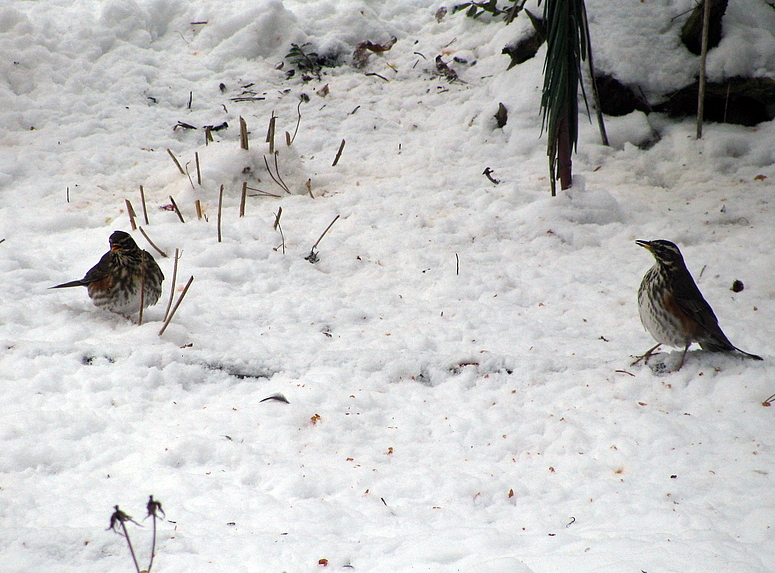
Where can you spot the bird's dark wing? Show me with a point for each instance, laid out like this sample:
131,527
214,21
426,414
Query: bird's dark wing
96,273
99,271
690,300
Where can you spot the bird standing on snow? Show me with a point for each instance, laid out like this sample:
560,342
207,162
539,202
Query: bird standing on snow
672,308
125,276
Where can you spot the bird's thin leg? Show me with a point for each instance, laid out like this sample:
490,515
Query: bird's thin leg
645,357
683,357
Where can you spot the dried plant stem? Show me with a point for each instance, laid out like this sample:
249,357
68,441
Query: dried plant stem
153,544
331,224
595,93
172,287
177,163
277,227
298,121
142,202
131,212
243,198
276,178
338,154
198,206
177,304
243,134
262,193
129,543
271,132
150,242
198,170
220,210
175,206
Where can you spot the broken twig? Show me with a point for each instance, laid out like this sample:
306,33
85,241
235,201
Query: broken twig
220,210
243,134
142,202
338,154
150,242
131,212
313,256
177,163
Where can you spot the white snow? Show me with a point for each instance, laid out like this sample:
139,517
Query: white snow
457,363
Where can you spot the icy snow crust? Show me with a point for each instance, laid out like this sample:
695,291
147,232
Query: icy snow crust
457,364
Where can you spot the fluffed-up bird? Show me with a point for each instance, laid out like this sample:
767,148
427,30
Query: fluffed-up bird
125,277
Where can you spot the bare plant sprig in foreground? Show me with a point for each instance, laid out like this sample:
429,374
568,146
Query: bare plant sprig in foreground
119,518
154,508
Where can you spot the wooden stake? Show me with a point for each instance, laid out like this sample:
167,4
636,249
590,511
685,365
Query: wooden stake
338,154
175,206
220,209
243,198
175,159
243,134
198,171
142,202
131,212
177,304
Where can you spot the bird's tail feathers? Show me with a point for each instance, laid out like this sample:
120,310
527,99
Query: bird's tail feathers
70,284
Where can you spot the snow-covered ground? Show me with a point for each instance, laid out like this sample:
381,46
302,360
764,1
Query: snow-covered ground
456,364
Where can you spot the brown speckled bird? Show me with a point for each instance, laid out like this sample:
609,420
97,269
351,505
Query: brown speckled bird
115,282
673,310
